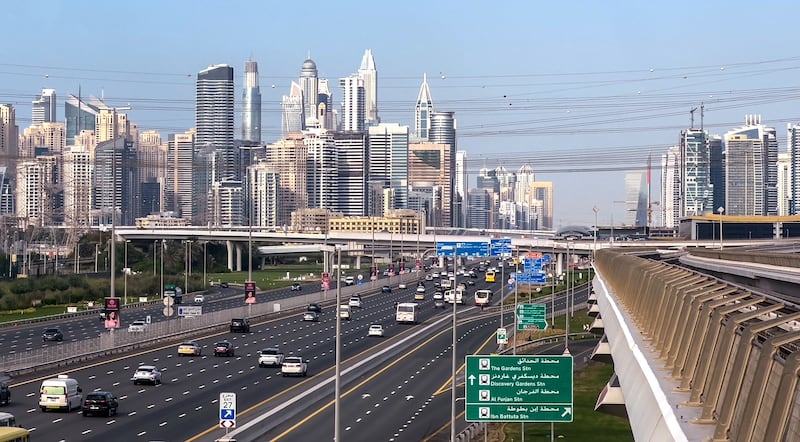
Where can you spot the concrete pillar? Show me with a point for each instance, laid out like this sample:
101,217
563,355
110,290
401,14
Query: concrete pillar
238,257
559,263
358,262
229,247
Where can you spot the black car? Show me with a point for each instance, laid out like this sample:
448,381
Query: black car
224,348
314,307
386,289
100,403
240,325
224,284
5,394
52,334
296,286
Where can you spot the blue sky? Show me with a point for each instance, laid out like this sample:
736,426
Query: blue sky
582,91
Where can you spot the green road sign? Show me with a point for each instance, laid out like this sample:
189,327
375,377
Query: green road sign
530,388
531,317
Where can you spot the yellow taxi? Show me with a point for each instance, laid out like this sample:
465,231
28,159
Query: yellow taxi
190,348
419,296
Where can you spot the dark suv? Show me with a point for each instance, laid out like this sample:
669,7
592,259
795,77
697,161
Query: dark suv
296,287
100,402
5,394
240,325
314,307
52,334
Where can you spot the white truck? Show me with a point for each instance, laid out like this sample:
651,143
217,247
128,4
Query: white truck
454,296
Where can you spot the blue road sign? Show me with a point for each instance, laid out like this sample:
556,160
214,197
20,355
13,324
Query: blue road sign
547,259
530,278
227,414
474,248
500,247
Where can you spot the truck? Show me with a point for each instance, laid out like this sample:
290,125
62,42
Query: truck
454,296
407,313
174,292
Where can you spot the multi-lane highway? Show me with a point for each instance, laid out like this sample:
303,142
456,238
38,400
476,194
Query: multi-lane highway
404,386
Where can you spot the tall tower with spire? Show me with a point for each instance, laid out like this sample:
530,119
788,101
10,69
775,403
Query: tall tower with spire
423,110
251,104
309,83
369,74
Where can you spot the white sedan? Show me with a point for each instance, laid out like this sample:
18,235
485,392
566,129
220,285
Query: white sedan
402,285
294,366
375,330
137,327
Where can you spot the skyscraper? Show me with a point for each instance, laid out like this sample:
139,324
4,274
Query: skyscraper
423,109
9,138
353,103
351,148
793,142
443,131
751,174
636,199
388,161
309,83
78,182
325,107
429,169
293,117
322,162
179,177
216,157
289,157
697,192
251,104
670,187
44,107
81,114
460,190
784,183
369,74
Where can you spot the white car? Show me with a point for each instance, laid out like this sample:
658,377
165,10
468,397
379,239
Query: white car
420,289
146,374
270,357
375,330
355,301
137,327
429,277
349,280
199,299
438,295
402,285
294,366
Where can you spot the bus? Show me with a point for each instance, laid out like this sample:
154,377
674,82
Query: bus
489,275
483,297
173,291
14,434
407,313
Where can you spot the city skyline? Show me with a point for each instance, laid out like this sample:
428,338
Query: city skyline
579,111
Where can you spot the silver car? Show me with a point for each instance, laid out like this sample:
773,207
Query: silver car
146,374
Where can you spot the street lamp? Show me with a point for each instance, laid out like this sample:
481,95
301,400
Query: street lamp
720,210
125,272
595,209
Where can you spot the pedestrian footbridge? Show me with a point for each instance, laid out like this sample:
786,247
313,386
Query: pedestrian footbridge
698,358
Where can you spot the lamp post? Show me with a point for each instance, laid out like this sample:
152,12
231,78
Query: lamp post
595,209
720,210
337,377
163,246
205,261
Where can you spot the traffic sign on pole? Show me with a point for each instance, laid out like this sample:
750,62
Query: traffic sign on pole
531,316
502,336
473,248
227,410
530,388
500,247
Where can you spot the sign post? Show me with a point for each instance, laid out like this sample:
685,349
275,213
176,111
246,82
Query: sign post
227,411
532,316
531,388
502,336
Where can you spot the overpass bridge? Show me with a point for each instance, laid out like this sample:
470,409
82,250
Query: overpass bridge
697,357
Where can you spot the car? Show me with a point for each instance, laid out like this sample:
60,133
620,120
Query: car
224,284
386,289
311,317
224,348
199,299
270,357
100,402
438,296
294,366
190,348
419,296
5,394
402,285
385,273
52,334
473,274
375,330
349,280
355,301
435,275
470,282
296,287
240,325
314,307
420,289
438,303
137,327
146,374
429,277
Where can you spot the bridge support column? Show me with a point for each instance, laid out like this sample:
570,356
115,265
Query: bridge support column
358,262
229,247
238,257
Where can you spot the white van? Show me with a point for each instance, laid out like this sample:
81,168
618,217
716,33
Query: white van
345,312
61,393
